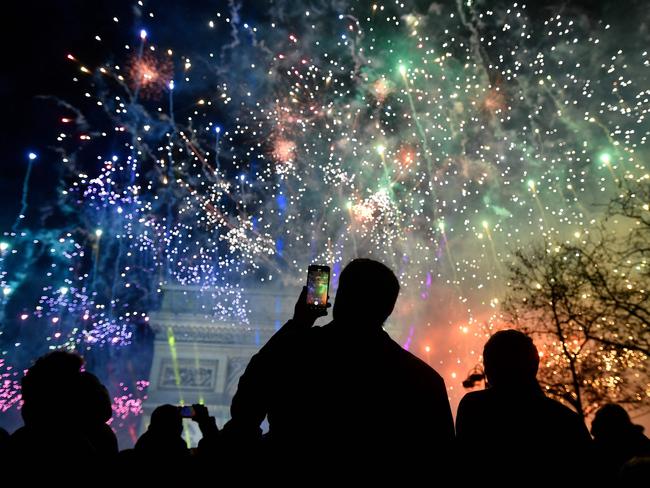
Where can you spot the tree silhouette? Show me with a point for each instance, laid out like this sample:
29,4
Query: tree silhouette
586,304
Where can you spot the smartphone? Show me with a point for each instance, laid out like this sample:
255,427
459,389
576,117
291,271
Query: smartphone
318,284
187,411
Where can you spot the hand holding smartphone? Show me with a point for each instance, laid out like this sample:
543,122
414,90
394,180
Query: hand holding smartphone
318,283
187,411
312,302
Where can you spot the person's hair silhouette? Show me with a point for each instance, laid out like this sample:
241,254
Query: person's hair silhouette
65,411
163,436
49,386
94,411
611,421
366,294
333,392
511,429
510,359
167,419
622,450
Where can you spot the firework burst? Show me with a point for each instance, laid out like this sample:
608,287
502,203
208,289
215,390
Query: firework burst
150,74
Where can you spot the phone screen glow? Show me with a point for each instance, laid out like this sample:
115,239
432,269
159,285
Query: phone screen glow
317,287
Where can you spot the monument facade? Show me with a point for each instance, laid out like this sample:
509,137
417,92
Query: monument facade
204,341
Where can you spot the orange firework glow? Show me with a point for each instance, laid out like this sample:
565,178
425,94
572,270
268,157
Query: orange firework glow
150,74
406,156
494,101
284,150
382,89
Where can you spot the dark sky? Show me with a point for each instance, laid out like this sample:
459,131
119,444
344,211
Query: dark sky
39,35
36,40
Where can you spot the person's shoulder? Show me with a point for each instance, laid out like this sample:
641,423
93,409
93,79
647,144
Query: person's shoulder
474,408
320,333
21,434
567,423
330,328
315,340
562,414
415,364
556,407
143,441
478,397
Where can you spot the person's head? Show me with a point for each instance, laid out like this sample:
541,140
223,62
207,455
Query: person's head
167,420
94,410
510,359
611,420
49,388
95,400
366,294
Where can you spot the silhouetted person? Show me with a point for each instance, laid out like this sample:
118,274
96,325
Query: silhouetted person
617,441
163,438
65,412
511,433
94,411
344,396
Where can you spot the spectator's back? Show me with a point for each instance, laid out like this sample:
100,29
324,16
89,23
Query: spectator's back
65,412
345,398
506,436
621,448
343,395
511,432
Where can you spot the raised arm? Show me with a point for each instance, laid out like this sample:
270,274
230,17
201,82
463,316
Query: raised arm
250,405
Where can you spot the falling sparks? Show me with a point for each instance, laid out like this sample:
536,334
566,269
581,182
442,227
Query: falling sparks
10,394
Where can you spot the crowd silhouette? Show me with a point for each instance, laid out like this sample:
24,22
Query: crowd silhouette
343,402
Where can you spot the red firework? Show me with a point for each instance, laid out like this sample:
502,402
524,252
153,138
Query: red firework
284,150
406,155
150,74
494,102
